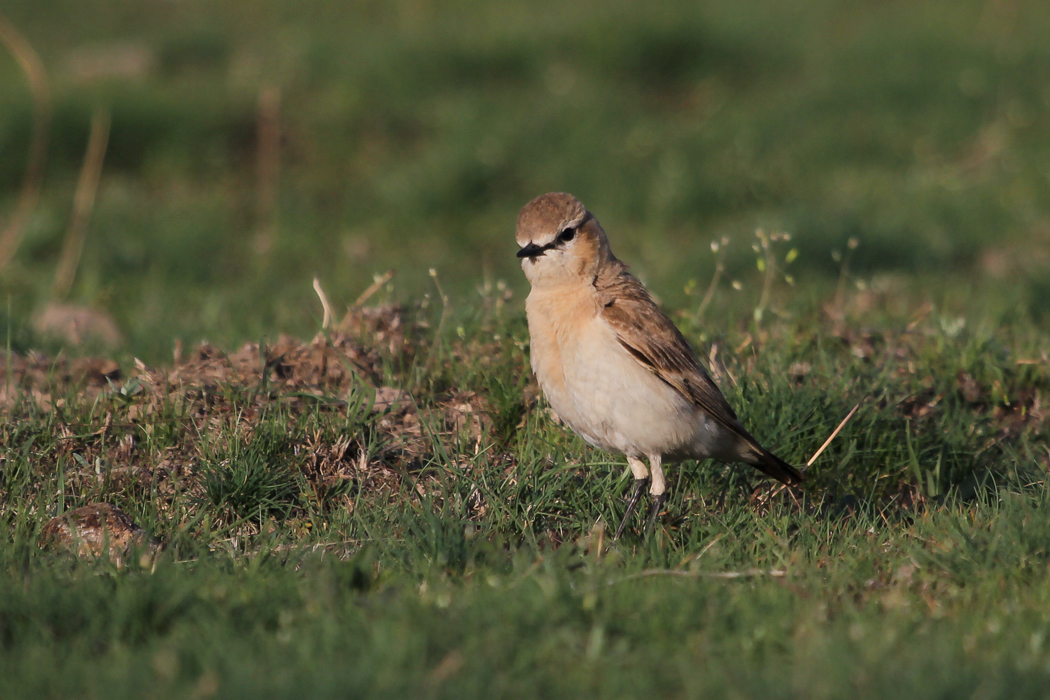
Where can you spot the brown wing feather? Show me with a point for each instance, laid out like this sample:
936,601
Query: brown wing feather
653,339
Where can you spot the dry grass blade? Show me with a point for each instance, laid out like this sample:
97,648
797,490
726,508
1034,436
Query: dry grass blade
324,303
83,203
833,434
373,288
752,573
36,76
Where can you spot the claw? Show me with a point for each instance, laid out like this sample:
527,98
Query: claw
658,503
639,487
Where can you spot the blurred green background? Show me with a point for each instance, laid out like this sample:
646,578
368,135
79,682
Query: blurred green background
412,131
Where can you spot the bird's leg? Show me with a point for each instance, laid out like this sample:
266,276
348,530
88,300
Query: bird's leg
641,478
658,490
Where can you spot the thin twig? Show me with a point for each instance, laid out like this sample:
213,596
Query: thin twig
833,434
83,203
36,76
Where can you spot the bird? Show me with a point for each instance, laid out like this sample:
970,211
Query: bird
612,365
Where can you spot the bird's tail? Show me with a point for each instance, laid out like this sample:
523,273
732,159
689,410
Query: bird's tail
771,465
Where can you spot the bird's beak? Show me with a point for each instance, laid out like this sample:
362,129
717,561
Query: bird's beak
531,251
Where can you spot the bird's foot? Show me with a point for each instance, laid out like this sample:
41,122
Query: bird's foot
639,487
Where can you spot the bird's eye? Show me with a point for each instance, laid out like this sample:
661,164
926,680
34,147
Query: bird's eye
566,235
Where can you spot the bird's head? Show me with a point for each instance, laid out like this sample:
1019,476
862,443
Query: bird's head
560,242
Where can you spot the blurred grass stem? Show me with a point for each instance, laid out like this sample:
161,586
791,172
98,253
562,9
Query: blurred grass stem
840,287
373,288
441,323
83,203
36,76
268,167
767,266
719,249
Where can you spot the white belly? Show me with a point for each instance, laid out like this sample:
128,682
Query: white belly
615,403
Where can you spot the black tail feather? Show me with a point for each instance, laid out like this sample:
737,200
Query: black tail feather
771,465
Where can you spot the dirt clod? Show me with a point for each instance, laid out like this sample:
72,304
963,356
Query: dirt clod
96,530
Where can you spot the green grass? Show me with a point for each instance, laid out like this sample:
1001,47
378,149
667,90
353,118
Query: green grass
318,544
949,603
318,549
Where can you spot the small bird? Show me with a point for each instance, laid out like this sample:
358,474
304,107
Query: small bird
615,368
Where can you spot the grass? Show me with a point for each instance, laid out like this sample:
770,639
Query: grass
389,510
857,614
456,545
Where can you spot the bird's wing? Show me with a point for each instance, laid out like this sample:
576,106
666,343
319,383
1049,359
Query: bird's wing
654,341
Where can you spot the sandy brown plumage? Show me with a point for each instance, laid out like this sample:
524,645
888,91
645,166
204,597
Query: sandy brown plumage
611,364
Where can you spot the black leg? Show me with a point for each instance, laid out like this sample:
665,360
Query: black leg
639,486
658,503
